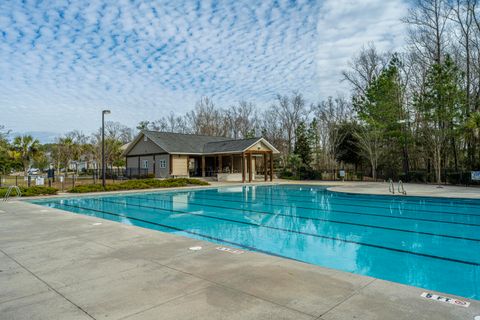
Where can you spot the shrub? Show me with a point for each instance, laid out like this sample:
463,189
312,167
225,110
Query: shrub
31,191
139,184
286,174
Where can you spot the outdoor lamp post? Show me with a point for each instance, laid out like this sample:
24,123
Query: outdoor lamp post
104,112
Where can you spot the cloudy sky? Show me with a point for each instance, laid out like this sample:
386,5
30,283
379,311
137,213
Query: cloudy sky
61,62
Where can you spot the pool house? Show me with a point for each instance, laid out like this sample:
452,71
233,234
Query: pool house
167,154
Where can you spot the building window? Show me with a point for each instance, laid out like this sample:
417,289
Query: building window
145,164
162,164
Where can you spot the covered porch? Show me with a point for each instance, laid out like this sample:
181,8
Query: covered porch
246,166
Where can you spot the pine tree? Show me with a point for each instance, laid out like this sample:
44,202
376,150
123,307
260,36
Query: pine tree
302,144
439,107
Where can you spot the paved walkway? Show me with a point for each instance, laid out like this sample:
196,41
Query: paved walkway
381,188
59,265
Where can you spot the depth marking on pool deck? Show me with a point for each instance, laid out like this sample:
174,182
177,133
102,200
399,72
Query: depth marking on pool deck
230,250
438,298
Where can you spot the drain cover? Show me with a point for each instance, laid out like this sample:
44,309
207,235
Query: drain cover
195,248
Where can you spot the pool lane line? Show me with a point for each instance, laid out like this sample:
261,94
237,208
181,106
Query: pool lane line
260,201
340,196
406,200
292,231
370,206
333,201
306,218
454,204
342,211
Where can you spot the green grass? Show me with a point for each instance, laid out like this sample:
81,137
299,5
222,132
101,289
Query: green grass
31,192
139,184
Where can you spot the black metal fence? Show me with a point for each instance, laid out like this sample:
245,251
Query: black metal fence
450,177
70,179
117,173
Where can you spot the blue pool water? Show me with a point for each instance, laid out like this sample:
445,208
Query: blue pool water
433,243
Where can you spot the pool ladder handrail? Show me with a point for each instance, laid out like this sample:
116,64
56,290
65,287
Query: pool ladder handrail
391,186
9,192
400,188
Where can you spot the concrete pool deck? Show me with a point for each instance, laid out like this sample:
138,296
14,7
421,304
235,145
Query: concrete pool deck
59,265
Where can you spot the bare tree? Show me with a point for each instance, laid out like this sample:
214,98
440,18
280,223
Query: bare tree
364,68
370,145
291,111
330,115
242,119
170,123
428,22
206,119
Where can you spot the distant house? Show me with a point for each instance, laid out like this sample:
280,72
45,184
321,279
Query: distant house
166,154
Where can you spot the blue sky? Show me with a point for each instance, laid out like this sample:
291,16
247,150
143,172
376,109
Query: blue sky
61,62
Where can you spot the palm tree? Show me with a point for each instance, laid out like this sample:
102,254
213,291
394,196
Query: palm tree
473,124
27,148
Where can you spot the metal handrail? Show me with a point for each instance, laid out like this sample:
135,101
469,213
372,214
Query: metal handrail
400,188
9,192
391,187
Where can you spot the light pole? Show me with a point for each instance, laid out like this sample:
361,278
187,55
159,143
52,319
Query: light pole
104,112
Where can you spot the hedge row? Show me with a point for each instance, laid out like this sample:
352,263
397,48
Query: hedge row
31,191
138,184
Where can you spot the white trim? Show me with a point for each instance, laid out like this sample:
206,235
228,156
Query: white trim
274,150
162,164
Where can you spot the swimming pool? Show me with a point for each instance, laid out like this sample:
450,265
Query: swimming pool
433,243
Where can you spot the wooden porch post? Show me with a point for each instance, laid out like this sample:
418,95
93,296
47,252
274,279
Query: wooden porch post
265,170
242,162
231,163
203,166
271,165
220,165
249,167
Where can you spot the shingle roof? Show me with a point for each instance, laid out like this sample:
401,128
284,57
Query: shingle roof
181,143
229,145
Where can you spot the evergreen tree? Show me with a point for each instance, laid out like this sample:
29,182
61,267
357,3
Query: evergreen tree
302,144
382,104
348,150
314,139
439,108
382,111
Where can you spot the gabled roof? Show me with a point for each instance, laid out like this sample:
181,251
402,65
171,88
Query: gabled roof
179,143
239,145
229,145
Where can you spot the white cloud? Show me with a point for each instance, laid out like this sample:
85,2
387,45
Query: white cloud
345,26
60,65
